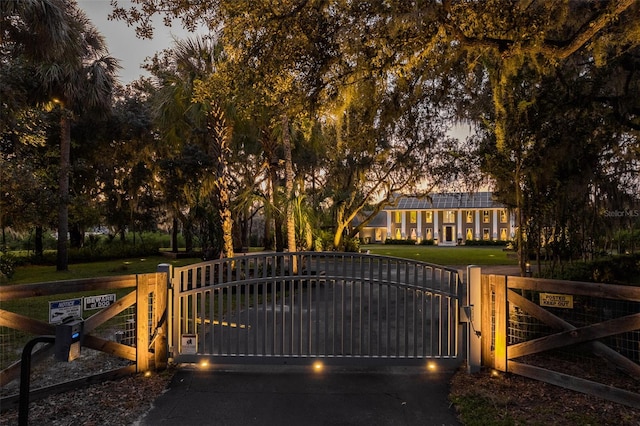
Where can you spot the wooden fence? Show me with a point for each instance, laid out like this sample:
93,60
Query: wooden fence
526,321
148,294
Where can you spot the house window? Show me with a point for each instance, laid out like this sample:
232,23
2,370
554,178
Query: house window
429,217
429,234
469,234
485,216
503,216
486,234
398,217
469,216
413,217
449,216
503,234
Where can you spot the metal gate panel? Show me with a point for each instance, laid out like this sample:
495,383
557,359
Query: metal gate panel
338,307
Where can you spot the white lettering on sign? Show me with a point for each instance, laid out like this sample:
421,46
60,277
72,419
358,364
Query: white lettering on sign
61,309
553,300
99,302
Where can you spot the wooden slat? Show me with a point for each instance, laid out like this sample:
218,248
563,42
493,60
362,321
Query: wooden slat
501,321
142,323
578,335
486,318
599,390
110,347
599,348
605,291
12,372
11,292
26,324
161,321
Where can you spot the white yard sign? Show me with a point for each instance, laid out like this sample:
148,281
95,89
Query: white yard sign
61,309
190,344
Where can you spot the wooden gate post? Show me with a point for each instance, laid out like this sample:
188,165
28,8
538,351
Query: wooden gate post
162,316
142,323
501,321
473,311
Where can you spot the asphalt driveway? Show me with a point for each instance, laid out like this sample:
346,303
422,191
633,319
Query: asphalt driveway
295,395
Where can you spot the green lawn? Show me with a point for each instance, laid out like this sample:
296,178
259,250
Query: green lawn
459,255
37,273
432,254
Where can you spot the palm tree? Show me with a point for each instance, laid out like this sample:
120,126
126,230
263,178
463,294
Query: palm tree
189,112
60,60
78,80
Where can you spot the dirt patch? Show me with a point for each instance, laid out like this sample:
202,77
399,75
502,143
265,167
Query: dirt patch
516,400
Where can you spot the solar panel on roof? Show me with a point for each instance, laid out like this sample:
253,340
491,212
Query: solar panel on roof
448,201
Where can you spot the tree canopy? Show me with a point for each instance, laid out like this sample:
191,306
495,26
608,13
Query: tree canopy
304,109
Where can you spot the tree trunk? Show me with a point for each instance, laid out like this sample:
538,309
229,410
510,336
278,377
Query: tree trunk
522,253
340,227
276,216
76,236
174,235
218,150
62,259
39,244
288,172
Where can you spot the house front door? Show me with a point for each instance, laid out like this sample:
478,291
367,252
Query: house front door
449,236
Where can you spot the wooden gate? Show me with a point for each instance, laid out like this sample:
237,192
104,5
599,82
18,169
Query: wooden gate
146,347
533,327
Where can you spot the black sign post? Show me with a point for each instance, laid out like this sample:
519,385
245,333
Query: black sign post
25,377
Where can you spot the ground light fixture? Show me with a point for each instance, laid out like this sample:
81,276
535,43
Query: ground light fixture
431,366
204,364
318,366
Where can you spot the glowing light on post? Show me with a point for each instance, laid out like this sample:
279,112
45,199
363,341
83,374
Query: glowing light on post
431,366
318,366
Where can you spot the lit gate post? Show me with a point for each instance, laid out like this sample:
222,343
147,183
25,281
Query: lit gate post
472,312
162,318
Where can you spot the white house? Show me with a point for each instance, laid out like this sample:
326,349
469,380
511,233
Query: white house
447,219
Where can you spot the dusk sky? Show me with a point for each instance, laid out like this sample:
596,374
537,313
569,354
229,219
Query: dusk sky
122,41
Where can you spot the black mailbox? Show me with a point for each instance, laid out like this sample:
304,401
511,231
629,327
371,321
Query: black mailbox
68,339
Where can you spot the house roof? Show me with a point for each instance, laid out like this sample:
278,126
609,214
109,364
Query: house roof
458,200
378,221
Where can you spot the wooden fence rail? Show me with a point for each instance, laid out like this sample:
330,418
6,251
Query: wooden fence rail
148,295
501,295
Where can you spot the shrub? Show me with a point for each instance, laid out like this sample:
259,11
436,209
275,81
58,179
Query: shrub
7,266
352,245
486,243
407,241
623,269
427,242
